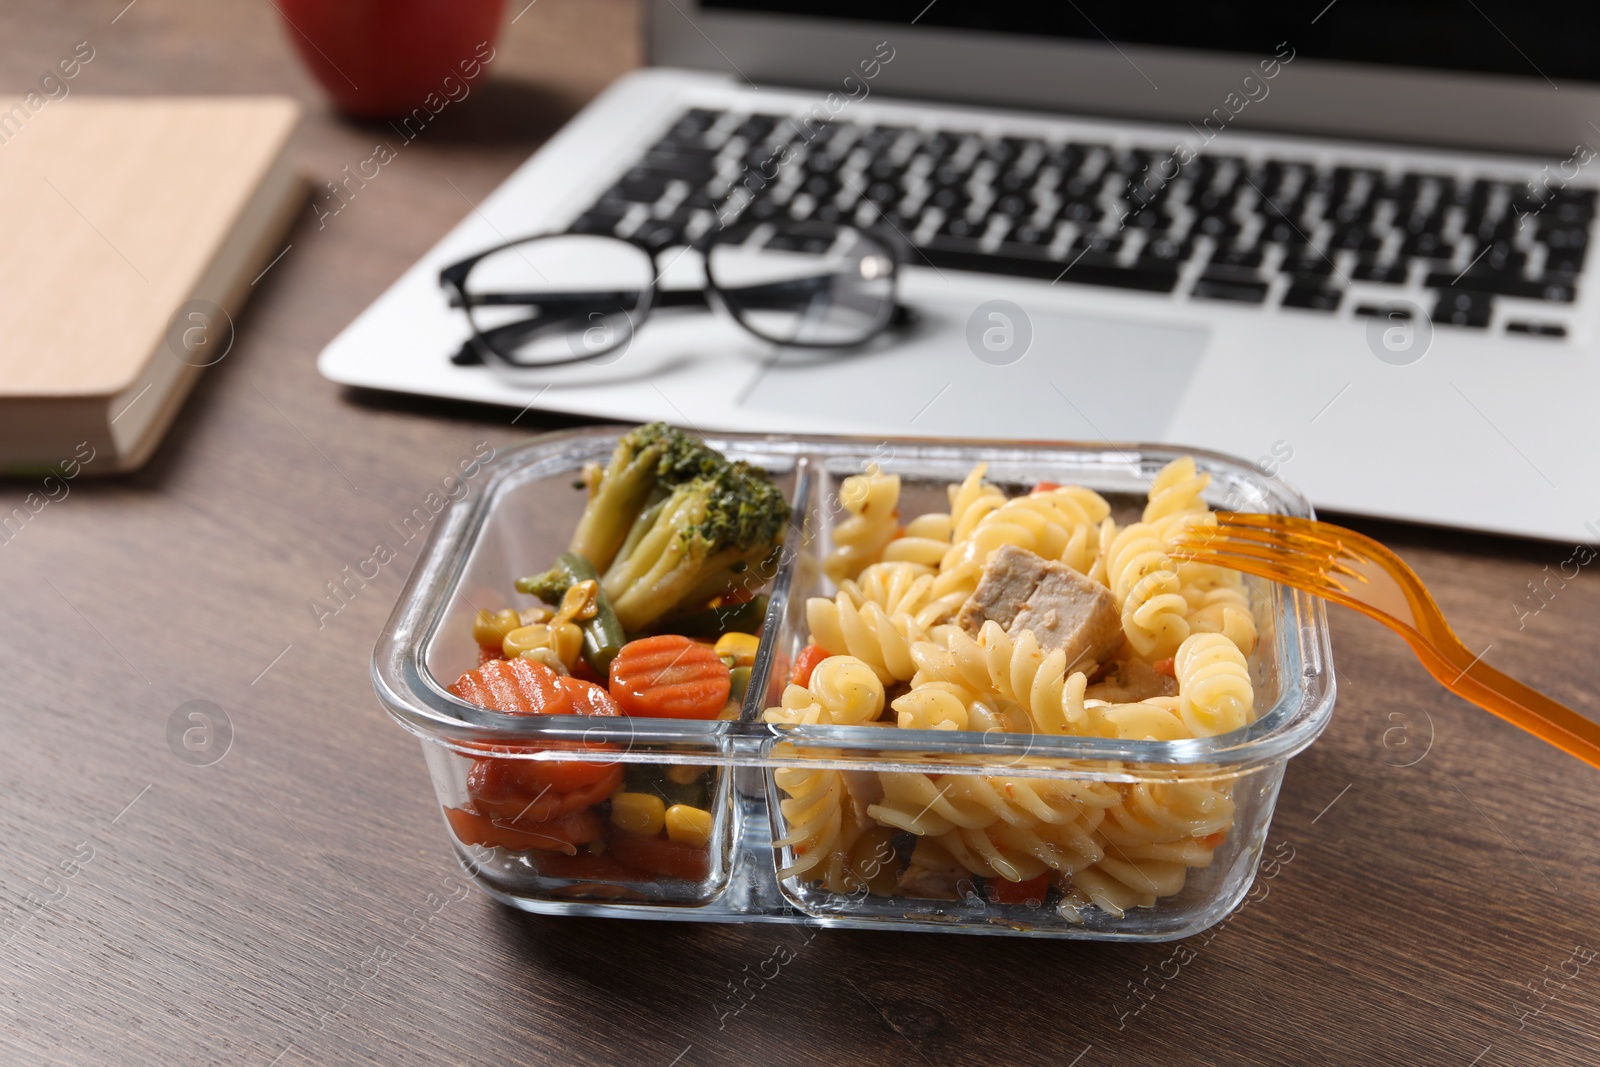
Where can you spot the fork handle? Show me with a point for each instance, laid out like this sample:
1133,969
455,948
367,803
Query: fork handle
1523,707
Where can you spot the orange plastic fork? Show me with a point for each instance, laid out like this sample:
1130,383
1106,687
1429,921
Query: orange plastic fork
1354,570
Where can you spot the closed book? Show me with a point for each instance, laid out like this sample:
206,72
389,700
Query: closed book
134,229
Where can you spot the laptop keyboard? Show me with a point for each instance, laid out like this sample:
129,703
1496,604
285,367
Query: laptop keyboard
1223,228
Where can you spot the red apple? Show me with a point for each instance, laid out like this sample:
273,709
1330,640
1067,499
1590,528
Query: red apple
381,58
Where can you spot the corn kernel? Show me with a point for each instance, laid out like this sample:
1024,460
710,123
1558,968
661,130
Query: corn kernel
526,638
642,813
742,647
546,656
489,629
529,616
569,642
580,601
689,826
683,773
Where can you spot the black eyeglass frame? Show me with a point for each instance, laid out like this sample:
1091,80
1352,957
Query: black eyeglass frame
478,350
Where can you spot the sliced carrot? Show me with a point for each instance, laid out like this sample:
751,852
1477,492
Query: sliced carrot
806,662
1045,487
514,686
589,698
659,856
521,792
1002,891
488,655
669,677
559,835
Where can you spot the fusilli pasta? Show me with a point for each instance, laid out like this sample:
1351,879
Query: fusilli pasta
899,657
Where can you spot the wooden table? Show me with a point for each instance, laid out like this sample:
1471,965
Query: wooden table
295,901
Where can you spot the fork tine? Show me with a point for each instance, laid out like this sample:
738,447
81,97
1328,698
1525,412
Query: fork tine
1272,565
1304,532
1282,551
1261,527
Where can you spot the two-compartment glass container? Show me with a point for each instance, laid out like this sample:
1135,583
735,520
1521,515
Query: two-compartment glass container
522,514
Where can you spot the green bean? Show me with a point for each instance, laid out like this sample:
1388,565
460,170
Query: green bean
603,636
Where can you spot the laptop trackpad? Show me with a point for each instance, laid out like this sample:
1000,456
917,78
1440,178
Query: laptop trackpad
1077,377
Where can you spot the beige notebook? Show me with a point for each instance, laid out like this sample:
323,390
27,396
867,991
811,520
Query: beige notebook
128,223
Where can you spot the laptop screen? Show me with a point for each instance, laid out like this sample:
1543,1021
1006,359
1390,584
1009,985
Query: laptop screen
1539,40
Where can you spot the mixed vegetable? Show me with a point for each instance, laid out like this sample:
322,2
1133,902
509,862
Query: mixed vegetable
653,613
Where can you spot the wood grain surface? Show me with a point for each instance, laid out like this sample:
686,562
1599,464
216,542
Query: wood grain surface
295,901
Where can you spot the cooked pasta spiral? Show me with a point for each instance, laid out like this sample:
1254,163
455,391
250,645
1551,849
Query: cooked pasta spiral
841,628
1176,490
1146,588
1214,691
870,499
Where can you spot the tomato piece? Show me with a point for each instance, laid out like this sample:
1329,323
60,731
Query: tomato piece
806,662
560,835
1045,487
522,792
1033,890
670,677
514,686
1166,666
657,855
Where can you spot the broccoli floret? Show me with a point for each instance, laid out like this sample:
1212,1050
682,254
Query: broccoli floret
646,465
704,539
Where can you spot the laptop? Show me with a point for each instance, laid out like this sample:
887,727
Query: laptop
1344,240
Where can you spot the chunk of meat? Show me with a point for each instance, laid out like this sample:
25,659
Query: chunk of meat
1130,681
933,874
1023,591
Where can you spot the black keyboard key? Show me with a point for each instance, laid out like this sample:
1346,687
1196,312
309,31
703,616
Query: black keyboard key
1013,205
1097,243
1499,257
1559,290
886,170
1427,246
1564,262
1370,270
1285,232
1089,270
1029,234
1563,237
950,201
1165,250
1236,259
1312,298
1234,290
640,186
1459,307
1355,238
884,193
691,164
958,227
1379,311
1537,329
596,221
1080,211
756,127
657,234
821,186
1308,262
1216,226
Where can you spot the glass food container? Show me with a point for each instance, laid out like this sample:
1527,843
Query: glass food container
519,517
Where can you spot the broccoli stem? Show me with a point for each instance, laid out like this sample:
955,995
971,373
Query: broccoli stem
613,504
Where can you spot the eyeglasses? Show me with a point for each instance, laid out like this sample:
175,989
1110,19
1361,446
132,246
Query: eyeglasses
569,298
